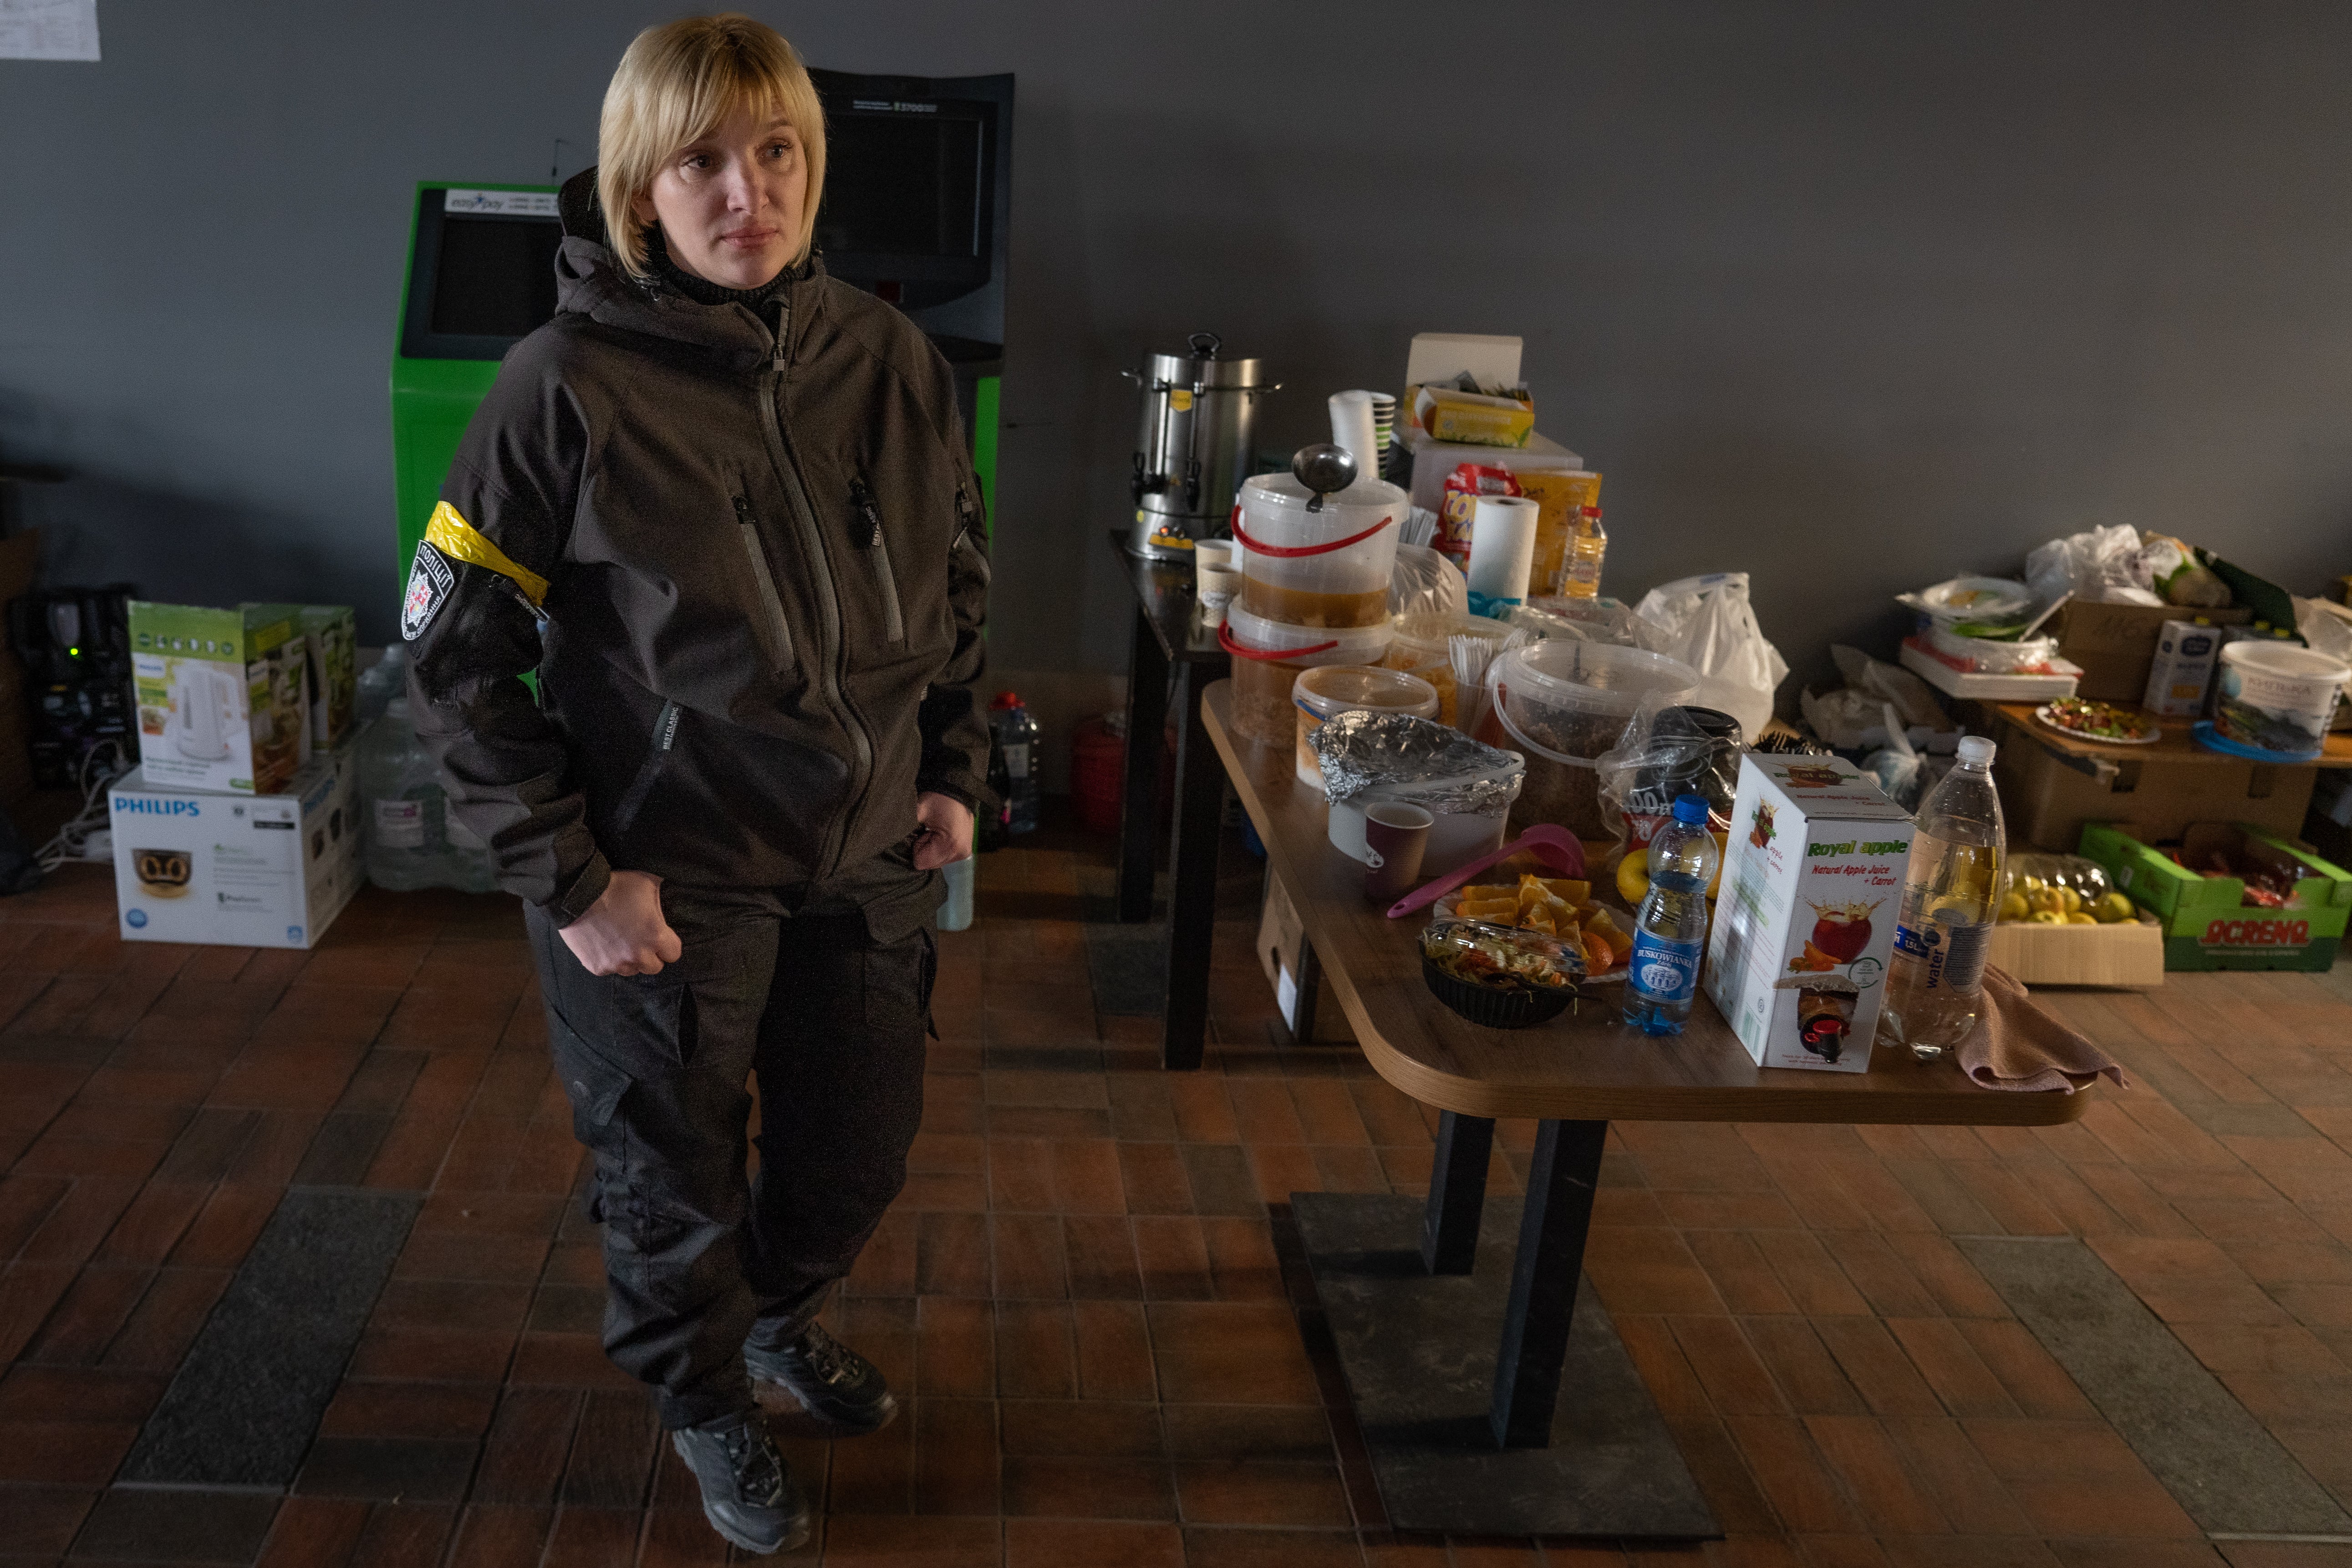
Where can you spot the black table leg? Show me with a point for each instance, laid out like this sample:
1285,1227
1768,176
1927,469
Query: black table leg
1192,907
1552,1228
1147,723
1457,1192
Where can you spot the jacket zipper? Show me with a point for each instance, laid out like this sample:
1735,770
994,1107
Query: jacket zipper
779,630
830,662
664,737
869,517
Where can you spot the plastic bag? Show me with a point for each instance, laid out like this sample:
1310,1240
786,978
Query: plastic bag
1892,684
2040,883
2174,574
1896,766
1425,582
1601,620
2099,565
1667,751
1708,623
2325,629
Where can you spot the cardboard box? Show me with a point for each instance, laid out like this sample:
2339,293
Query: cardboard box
2207,923
219,696
1804,927
2115,643
236,869
2128,954
1280,935
331,638
2048,794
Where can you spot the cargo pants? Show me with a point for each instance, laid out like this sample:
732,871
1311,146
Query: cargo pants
825,993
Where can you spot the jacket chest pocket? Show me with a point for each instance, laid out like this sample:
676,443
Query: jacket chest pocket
873,541
775,632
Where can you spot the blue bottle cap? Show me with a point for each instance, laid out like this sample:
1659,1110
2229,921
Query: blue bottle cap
1691,810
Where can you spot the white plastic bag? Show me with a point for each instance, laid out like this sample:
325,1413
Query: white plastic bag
1708,623
1425,582
2099,565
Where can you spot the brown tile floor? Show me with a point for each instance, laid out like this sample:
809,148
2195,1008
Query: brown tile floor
1091,1287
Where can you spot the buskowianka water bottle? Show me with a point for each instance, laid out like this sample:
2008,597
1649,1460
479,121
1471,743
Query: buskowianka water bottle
1670,932
1950,894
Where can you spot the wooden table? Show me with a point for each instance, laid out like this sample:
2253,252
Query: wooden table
1574,1075
1167,635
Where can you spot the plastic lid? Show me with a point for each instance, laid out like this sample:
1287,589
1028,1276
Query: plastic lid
1284,490
1977,748
1690,809
2286,659
1336,688
1006,699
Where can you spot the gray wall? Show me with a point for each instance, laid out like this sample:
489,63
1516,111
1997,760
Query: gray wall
1851,296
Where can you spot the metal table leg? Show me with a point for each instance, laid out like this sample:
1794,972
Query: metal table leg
1457,1192
1146,722
1552,1229
1192,907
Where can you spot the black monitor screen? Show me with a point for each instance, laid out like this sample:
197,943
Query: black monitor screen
901,184
497,276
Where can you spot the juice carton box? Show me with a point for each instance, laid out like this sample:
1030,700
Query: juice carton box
219,692
2182,669
269,871
1804,926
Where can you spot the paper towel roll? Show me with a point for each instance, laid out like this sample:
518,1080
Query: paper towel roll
1502,550
1351,427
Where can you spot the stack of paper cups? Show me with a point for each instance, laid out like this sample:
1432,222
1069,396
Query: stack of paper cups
1351,427
1502,552
1383,426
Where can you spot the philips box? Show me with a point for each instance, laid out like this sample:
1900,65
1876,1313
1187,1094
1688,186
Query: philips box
1804,927
236,869
220,696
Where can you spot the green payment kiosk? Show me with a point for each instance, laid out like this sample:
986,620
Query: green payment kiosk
916,208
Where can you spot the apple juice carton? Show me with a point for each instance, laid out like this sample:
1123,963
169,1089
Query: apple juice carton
1805,922
219,696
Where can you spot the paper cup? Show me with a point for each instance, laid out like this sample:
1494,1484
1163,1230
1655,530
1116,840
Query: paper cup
1396,835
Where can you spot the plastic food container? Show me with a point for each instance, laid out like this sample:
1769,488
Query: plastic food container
1332,689
1330,567
1421,646
1268,657
1498,975
2276,697
1564,703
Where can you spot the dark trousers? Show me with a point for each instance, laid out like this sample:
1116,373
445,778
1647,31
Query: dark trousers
831,1016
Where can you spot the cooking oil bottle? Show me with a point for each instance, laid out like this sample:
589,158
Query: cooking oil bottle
1587,544
1951,893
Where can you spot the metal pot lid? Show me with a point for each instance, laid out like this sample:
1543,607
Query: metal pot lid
1202,369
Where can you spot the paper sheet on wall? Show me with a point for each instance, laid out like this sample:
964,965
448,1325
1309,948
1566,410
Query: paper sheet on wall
48,29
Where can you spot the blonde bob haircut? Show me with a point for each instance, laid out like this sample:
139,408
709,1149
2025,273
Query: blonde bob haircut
675,85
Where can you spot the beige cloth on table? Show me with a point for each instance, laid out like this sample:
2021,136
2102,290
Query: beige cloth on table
2017,1046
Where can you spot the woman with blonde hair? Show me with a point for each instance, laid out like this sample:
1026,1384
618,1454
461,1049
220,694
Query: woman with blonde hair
722,506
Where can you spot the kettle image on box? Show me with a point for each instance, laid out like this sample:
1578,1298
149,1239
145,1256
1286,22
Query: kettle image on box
203,712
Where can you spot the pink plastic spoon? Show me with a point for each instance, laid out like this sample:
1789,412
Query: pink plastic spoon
1555,846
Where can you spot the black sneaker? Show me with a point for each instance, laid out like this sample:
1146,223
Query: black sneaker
832,1382
748,1495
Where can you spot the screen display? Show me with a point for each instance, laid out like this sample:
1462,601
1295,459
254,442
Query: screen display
901,184
497,276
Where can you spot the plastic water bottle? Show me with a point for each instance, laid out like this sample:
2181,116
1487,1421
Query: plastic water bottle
402,806
1588,542
1015,737
382,681
1951,893
1670,932
955,913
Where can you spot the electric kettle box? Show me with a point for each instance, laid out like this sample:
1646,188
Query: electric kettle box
331,669
1804,923
241,870
220,696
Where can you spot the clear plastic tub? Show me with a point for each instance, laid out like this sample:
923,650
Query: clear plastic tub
1562,703
1318,694
1327,568
1422,646
1267,657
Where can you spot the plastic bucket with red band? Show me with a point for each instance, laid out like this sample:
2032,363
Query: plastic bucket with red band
1268,656
1330,567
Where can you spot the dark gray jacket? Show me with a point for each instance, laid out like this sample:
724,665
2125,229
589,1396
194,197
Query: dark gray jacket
749,567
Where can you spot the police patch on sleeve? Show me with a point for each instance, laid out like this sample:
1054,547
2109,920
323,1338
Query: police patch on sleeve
430,578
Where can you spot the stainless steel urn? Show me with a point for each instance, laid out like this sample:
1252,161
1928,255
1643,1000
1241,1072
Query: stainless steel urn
1199,413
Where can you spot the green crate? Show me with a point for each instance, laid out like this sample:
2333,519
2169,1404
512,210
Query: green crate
2207,923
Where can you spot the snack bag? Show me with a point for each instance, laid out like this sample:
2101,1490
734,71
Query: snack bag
1464,486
